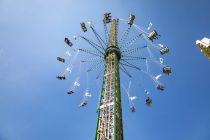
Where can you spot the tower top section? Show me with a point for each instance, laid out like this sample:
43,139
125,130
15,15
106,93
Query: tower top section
113,34
112,46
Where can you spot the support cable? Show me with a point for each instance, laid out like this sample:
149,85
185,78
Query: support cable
98,37
147,65
139,29
91,52
100,73
76,81
150,75
130,65
130,51
69,66
131,104
91,59
155,46
124,36
125,71
131,42
106,32
95,66
157,62
150,53
94,45
134,58
156,82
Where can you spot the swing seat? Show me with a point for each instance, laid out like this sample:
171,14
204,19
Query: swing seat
70,92
153,35
131,19
61,77
204,45
167,70
68,42
133,109
160,87
82,104
84,28
148,101
61,59
107,18
164,50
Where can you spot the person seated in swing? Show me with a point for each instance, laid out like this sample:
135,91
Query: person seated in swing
82,104
167,70
107,18
68,42
164,50
131,19
160,87
62,77
70,92
84,28
148,101
61,59
153,35
133,109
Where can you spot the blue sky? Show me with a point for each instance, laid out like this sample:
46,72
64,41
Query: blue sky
34,105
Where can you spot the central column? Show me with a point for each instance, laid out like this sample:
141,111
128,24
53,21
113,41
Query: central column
109,125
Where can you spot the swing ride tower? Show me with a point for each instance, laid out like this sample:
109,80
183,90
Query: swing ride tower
115,56
109,125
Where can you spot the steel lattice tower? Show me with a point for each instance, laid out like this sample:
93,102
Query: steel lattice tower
109,125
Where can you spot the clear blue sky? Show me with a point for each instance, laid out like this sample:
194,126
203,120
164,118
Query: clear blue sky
34,105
